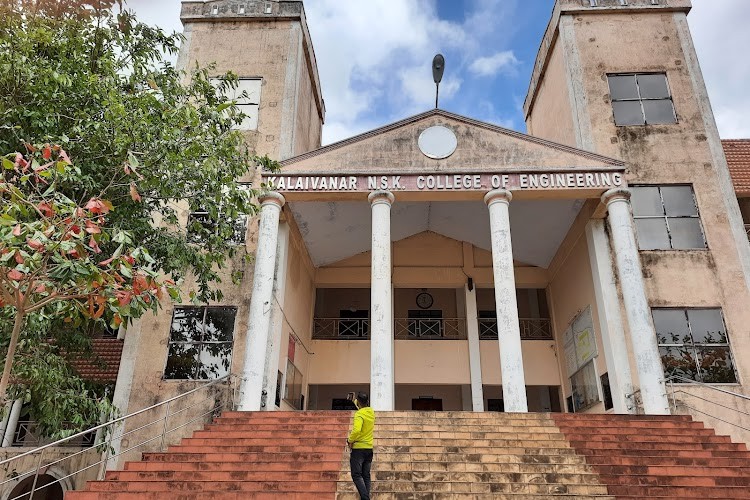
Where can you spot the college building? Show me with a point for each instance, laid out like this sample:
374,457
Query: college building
598,263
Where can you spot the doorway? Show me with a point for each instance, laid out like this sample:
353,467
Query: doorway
425,404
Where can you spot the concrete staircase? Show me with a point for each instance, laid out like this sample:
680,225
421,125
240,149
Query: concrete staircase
464,455
439,456
259,456
659,457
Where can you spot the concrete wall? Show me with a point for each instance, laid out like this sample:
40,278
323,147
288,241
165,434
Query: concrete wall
69,461
275,47
553,96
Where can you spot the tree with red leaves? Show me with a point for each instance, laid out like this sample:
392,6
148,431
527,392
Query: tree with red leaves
51,262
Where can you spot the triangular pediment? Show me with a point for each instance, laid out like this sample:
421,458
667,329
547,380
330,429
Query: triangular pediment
481,147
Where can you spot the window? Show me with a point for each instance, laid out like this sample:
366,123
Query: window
666,217
583,383
607,392
246,97
293,389
693,343
200,224
641,99
279,381
200,343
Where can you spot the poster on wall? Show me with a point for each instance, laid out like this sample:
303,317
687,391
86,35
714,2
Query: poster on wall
579,341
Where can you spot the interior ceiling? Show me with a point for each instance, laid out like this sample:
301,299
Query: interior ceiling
337,230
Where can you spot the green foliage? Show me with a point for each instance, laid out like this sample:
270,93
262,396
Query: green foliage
55,280
60,402
93,80
138,129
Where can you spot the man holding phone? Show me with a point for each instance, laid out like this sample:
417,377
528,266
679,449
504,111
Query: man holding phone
360,443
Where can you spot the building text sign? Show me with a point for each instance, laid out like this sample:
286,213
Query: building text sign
446,182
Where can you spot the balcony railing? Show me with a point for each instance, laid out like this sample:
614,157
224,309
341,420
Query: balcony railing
531,328
430,328
27,435
426,328
747,230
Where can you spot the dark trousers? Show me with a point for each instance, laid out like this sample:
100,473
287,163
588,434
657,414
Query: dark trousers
360,462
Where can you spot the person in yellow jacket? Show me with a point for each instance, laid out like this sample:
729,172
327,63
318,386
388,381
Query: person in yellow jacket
360,444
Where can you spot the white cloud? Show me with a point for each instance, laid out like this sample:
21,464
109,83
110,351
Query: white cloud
372,54
375,54
490,66
719,32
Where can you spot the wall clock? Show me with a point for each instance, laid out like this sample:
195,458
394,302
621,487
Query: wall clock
424,300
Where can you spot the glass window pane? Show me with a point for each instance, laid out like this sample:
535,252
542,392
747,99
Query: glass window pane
182,362
653,86
679,361
214,360
239,230
186,324
671,326
679,201
628,113
707,326
247,91
686,233
646,201
219,324
659,112
652,234
585,390
250,121
716,365
623,87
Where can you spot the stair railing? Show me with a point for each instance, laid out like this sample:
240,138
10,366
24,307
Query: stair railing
160,417
678,395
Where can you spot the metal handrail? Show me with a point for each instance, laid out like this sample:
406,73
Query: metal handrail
684,381
112,427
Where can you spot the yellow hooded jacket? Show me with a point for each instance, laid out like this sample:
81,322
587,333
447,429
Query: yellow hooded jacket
362,429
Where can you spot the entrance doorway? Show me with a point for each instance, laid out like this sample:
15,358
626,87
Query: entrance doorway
424,404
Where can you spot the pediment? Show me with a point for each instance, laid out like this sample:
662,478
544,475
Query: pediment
481,147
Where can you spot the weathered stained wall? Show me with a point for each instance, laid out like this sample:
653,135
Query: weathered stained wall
274,46
555,122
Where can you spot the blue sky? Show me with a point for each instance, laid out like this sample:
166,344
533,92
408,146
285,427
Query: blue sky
374,57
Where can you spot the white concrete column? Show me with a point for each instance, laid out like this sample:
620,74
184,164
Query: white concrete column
508,329
475,364
610,319
12,423
261,303
382,379
637,310
273,349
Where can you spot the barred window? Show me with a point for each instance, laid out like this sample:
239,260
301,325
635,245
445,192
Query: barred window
693,343
666,217
200,343
201,225
641,99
